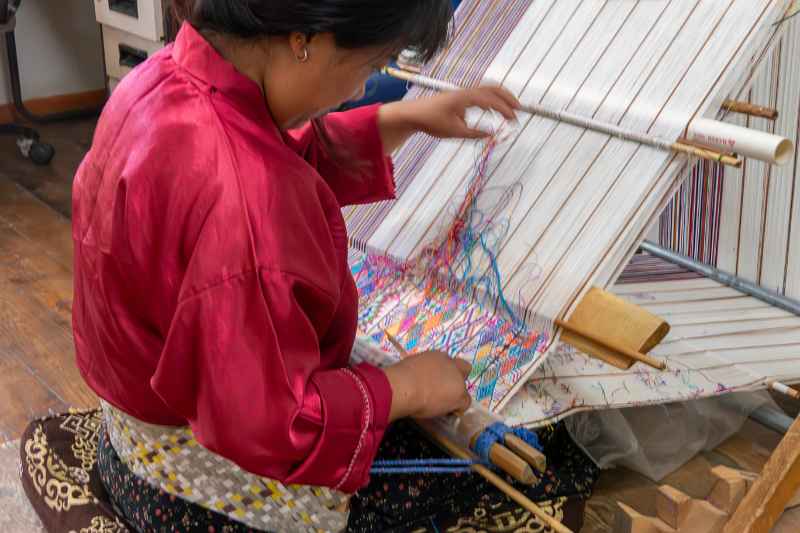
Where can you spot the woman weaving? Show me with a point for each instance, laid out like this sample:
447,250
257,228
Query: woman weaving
213,301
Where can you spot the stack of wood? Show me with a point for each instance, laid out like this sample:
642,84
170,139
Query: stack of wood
679,513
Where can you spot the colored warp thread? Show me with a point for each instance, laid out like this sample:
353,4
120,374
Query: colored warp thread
450,297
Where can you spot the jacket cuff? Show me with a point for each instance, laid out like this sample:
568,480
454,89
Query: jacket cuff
356,404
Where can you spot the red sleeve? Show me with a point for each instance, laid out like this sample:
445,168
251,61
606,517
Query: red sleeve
242,365
371,176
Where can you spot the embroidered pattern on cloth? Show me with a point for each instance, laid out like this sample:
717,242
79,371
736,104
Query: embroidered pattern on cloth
172,460
61,485
102,524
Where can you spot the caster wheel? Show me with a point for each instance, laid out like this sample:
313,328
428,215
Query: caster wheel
42,153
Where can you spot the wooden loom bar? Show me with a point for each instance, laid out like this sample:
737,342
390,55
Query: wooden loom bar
495,480
500,456
746,108
583,122
627,352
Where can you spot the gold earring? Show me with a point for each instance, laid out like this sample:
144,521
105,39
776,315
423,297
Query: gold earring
304,58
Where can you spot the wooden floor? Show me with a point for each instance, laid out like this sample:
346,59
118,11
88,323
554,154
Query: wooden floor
37,370
52,183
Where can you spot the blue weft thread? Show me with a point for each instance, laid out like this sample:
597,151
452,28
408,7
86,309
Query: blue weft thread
426,462
422,466
497,433
421,470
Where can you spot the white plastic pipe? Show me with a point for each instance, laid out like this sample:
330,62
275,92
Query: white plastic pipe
743,141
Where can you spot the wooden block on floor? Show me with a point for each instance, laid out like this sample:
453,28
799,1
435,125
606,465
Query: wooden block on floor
672,506
730,487
702,517
628,520
686,514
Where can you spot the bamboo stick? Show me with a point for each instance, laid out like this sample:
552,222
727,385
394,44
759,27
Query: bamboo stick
707,153
583,122
494,479
746,108
499,455
627,352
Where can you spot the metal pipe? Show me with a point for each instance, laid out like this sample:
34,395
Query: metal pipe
735,282
772,418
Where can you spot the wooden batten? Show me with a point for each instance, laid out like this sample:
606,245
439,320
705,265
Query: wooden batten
609,328
746,108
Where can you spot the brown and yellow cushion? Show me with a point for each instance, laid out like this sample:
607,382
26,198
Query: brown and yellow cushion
61,480
59,457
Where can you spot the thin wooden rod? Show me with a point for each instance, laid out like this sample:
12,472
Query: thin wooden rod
583,122
500,456
627,352
707,153
494,479
746,108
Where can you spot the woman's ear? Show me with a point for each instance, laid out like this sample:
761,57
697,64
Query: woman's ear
298,42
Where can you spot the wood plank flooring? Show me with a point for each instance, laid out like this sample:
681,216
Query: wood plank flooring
51,183
37,366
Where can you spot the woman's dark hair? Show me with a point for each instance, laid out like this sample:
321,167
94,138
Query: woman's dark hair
391,25
421,25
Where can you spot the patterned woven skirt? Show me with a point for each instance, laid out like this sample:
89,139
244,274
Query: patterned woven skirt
76,482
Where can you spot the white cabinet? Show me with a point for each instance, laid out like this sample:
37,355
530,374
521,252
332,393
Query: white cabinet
144,18
124,51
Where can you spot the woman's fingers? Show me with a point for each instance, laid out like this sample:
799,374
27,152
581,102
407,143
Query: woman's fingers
495,98
463,367
461,130
508,97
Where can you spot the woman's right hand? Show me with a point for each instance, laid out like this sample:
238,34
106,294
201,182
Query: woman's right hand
427,385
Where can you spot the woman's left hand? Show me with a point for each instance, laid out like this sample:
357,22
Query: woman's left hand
442,115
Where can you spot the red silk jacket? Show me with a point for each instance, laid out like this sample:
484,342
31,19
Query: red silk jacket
211,277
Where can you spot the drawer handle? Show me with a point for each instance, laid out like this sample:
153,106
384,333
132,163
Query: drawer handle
126,7
130,56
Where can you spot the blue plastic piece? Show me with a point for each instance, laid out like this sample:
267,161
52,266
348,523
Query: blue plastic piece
382,88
